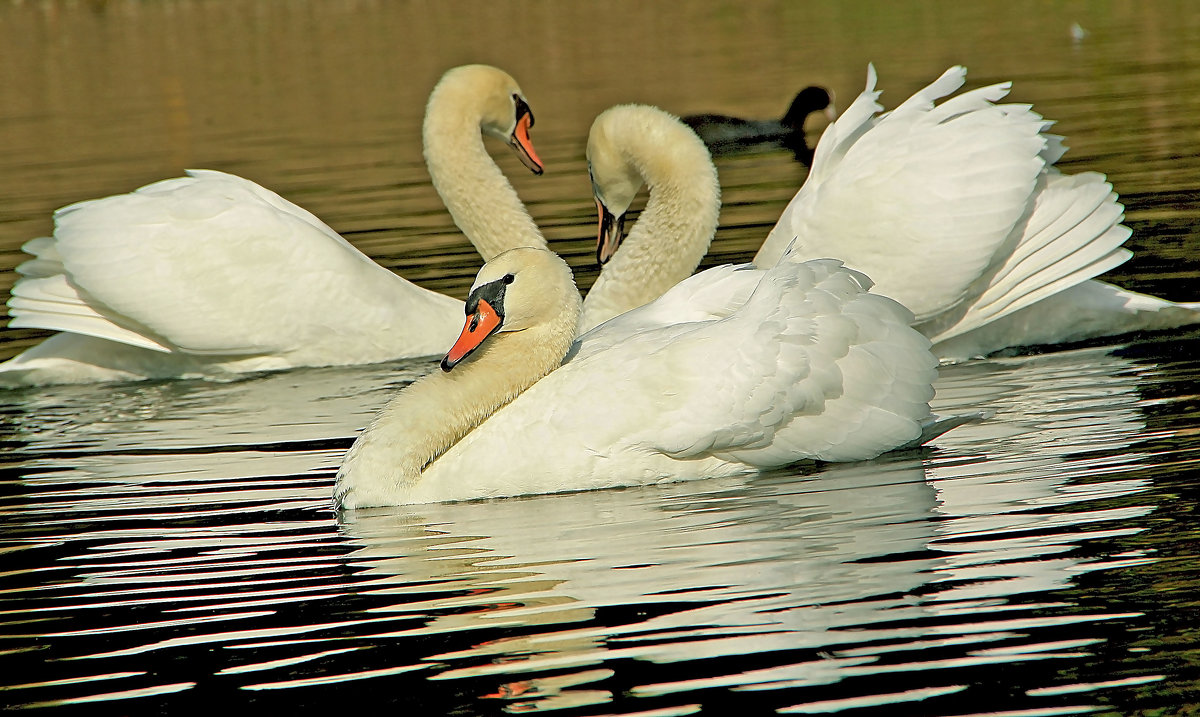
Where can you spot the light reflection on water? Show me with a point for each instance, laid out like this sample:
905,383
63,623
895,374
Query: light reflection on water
898,580
167,545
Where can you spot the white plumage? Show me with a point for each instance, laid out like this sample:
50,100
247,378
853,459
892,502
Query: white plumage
211,274
215,265
757,369
956,211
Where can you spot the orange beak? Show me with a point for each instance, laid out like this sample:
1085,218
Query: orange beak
520,141
524,146
480,325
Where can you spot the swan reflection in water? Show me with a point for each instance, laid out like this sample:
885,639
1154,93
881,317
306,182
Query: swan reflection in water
291,406
840,566
853,554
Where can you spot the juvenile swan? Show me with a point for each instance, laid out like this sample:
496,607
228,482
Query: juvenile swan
954,210
211,274
733,370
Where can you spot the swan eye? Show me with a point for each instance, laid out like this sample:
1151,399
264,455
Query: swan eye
522,108
509,278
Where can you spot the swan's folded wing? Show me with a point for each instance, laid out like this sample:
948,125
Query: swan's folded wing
919,199
811,366
711,294
206,264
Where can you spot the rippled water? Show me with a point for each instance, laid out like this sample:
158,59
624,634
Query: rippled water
169,546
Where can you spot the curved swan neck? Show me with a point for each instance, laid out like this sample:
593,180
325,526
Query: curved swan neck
674,230
479,197
427,418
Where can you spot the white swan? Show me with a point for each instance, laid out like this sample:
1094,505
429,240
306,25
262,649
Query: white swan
954,210
211,274
750,369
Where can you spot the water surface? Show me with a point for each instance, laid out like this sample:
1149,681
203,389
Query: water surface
170,545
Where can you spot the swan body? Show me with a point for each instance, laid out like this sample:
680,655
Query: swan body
956,211
734,370
211,275
725,134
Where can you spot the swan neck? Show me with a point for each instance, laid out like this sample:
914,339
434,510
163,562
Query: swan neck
479,197
428,417
672,233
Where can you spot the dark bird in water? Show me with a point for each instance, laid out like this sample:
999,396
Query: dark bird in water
730,135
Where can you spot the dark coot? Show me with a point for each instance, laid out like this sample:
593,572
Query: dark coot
729,135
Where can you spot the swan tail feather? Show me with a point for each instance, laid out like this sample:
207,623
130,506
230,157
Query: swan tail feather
934,426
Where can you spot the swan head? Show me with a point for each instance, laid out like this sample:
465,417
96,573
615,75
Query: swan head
615,179
503,112
520,289
629,145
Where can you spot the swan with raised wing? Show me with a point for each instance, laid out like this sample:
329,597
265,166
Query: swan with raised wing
954,209
733,370
212,275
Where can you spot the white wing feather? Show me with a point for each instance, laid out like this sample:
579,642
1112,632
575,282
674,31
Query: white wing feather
208,264
53,303
1073,234
953,209
919,199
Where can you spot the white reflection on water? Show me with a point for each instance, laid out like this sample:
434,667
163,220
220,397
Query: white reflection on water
291,406
172,500
781,563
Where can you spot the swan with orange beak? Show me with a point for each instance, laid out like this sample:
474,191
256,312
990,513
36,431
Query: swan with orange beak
769,367
521,316
485,316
